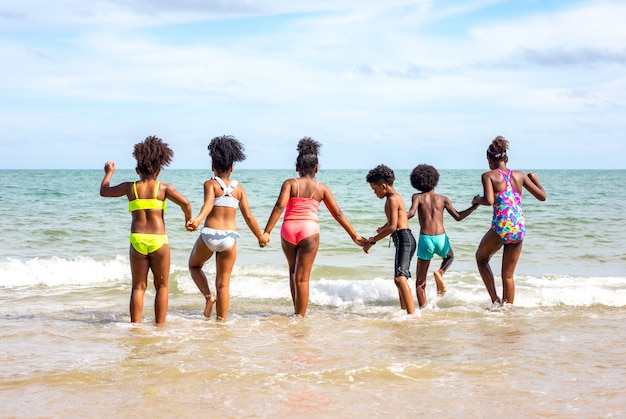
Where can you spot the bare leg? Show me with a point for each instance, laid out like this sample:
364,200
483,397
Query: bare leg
510,257
300,272
290,251
307,251
488,246
420,281
208,306
441,285
199,255
139,266
406,299
224,268
445,264
160,265
402,305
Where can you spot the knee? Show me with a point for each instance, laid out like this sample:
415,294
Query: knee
194,266
140,287
399,281
481,258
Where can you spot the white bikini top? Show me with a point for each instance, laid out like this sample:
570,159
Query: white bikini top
226,200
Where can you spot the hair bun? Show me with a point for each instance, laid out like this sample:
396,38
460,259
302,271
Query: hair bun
308,145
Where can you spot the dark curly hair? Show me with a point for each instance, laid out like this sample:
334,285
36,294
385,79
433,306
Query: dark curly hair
152,154
307,160
497,149
424,177
381,174
225,151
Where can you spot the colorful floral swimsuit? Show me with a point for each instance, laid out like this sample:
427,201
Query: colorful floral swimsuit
508,218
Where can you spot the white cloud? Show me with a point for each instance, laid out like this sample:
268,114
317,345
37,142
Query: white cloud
373,75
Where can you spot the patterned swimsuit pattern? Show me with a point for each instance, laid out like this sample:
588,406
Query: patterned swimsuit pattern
508,219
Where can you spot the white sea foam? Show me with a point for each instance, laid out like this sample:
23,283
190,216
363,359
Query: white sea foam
57,271
271,282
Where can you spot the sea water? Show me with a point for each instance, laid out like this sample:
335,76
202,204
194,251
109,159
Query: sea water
68,348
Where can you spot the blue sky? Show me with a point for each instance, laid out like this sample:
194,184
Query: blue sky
397,82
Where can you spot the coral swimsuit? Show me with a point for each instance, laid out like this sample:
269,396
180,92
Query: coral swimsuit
301,219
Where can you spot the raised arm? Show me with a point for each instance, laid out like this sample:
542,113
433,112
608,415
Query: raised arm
532,185
207,207
106,189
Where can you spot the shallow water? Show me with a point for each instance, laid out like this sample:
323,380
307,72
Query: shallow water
68,349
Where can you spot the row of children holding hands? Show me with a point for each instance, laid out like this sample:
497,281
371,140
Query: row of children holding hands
299,200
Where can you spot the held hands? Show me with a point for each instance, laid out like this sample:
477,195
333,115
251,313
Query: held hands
368,244
359,241
476,200
192,225
264,240
533,177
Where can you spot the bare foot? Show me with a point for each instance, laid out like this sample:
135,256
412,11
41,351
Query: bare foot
210,300
441,286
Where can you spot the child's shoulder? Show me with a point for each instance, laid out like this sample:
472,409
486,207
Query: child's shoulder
395,197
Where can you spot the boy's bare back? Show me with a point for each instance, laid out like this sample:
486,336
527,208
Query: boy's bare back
429,207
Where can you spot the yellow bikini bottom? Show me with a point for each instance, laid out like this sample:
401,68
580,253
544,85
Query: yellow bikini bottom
147,243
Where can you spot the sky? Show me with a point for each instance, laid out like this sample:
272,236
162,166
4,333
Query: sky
393,82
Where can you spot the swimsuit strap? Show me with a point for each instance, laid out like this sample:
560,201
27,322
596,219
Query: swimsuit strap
156,190
227,189
220,182
506,176
318,184
298,185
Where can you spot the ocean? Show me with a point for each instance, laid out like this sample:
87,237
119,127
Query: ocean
69,350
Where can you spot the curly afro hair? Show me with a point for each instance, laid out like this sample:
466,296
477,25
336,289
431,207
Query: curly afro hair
424,177
225,151
497,149
307,160
152,154
381,174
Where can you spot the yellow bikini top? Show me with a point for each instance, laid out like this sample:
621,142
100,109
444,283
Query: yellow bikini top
147,203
